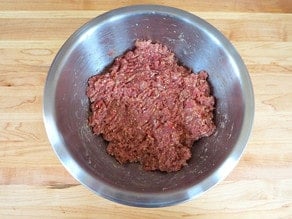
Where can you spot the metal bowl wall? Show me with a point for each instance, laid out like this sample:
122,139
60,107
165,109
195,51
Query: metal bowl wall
197,45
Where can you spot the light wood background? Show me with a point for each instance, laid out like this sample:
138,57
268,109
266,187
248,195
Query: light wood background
33,183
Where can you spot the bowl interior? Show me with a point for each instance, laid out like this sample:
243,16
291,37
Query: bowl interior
94,46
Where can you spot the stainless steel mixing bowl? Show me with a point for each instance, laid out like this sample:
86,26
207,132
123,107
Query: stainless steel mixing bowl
197,45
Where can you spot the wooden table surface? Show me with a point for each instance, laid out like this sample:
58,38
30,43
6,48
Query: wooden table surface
33,183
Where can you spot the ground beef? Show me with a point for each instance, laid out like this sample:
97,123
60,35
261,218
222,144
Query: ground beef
150,109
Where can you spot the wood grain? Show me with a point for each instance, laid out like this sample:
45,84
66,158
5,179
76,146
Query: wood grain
283,6
34,184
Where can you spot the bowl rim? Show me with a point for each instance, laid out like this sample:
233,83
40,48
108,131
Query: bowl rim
135,198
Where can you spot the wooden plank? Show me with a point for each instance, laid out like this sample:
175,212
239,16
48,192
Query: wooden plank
200,5
255,28
89,14
53,176
241,199
40,54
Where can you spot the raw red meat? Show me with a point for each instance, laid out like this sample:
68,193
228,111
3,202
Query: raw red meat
151,109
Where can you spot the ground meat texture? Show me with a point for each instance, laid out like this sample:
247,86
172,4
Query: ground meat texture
150,109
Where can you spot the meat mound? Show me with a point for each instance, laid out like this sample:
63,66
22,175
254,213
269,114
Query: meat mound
150,109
